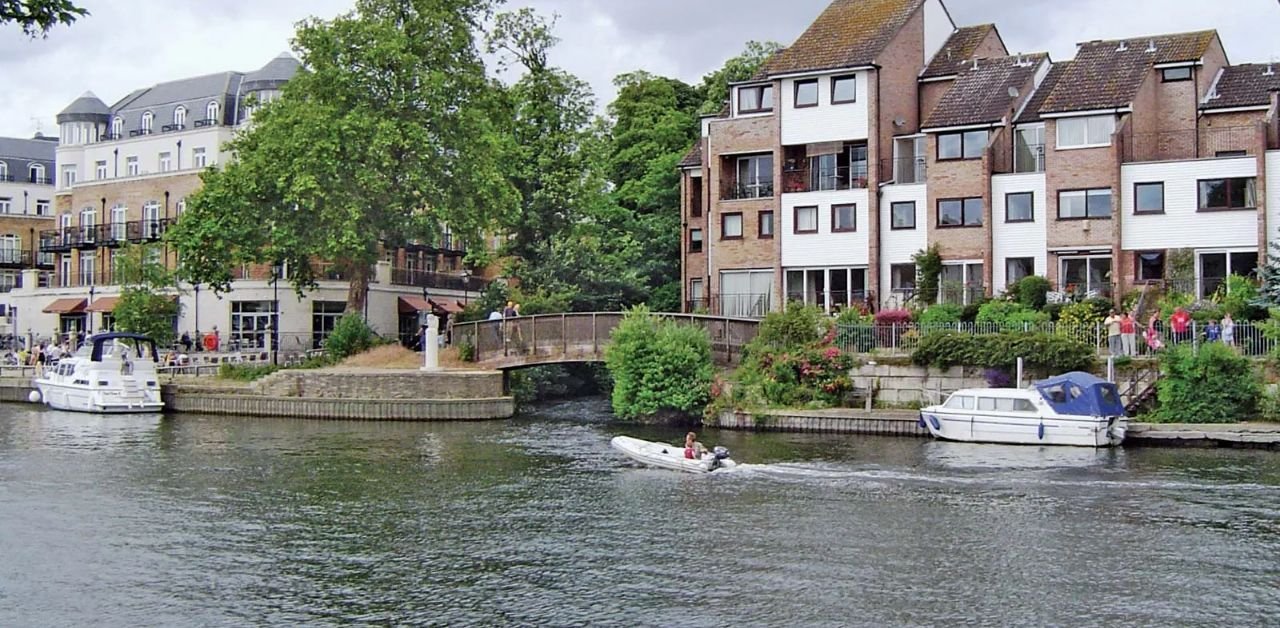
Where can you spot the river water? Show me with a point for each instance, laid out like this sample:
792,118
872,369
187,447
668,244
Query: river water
195,520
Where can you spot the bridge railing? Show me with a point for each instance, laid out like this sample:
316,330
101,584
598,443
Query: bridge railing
583,336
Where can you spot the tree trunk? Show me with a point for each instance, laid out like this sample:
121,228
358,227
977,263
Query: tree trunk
358,288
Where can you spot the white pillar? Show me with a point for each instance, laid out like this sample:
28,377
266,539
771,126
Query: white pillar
430,344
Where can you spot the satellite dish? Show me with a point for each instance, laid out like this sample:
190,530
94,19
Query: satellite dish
899,121
1013,92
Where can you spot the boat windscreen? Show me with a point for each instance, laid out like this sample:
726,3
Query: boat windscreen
1081,394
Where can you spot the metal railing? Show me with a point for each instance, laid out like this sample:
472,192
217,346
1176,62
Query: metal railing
6,178
1227,141
440,281
107,234
904,170
1028,158
41,180
740,191
15,258
800,180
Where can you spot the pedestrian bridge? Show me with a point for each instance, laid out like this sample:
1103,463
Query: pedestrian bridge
525,341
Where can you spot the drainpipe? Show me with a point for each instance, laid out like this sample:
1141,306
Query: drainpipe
179,164
115,161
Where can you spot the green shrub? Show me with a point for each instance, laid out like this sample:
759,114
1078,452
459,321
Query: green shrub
928,263
1212,385
796,325
351,335
941,314
1238,296
1053,310
246,372
1032,291
1040,351
466,351
1011,316
855,331
970,312
658,365
1082,321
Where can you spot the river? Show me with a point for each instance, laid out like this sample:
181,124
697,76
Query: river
210,521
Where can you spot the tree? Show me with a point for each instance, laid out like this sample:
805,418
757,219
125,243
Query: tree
385,135
148,303
1269,273
37,17
715,86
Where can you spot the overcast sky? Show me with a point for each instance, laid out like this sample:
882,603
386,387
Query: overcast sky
126,45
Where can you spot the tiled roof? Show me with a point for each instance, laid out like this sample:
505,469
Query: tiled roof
693,158
1246,85
1107,74
20,148
848,33
959,48
1031,111
980,95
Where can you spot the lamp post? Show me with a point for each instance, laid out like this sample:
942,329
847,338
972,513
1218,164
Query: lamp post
275,312
466,285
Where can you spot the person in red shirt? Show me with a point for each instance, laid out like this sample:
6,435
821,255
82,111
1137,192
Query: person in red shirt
1180,325
1128,334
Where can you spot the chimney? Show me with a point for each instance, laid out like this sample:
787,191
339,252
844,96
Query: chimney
1151,45
975,63
1270,70
1122,47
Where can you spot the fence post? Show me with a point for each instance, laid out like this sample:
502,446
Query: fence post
893,336
533,336
564,334
1195,339
595,340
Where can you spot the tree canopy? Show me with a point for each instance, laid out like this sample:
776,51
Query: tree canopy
37,17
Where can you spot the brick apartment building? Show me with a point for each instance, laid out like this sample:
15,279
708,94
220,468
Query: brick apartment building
885,128
123,173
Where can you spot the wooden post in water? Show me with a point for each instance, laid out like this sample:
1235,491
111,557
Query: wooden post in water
564,335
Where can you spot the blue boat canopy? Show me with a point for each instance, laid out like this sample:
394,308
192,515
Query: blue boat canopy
1081,394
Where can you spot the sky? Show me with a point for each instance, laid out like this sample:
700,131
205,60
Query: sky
123,46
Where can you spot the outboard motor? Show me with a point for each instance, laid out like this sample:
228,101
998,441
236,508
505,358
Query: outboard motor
720,452
716,458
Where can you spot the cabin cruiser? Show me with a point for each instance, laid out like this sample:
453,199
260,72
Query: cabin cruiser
112,372
672,457
1072,409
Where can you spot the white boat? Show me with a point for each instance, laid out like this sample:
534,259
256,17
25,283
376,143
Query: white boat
1072,409
672,457
112,373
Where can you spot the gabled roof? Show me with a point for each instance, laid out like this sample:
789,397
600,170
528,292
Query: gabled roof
980,94
1245,85
1107,74
848,33
1031,112
693,158
959,48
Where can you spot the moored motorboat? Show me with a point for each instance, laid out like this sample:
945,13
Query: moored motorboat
111,373
1078,409
672,457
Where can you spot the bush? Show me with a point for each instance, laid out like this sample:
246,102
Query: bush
351,335
854,331
246,372
658,365
1040,351
1053,310
1212,385
142,311
1238,296
1082,321
796,325
893,317
1010,316
1032,291
466,351
941,314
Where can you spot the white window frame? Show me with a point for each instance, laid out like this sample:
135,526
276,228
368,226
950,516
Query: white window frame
100,169
4,170
1228,252
1084,194
827,273
148,122
68,176
211,111
166,161
1089,129
151,219
1062,270
6,205
88,275
180,116
131,166
119,216
44,207
117,127
199,158
35,172
64,268
966,280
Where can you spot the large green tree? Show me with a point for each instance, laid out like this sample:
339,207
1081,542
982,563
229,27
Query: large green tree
147,299
715,86
388,133
36,17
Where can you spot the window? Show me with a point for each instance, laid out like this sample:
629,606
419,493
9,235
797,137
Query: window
64,272
131,166
902,215
807,93
746,293
151,220
100,169
844,89
324,316
10,251
1087,274
180,207
902,277
731,226
198,158
251,324
1084,204
766,224
166,161
1019,207
1149,264
1230,153
119,214
1016,268
1235,193
697,295
147,120
1169,75
211,111
755,177
960,402
1216,267
180,116
827,288
6,204
87,266
1148,198
755,99
844,218
966,145
695,240
960,212
1028,149
44,208
1087,132
806,220
68,176
88,217
35,173
4,171
962,283
117,127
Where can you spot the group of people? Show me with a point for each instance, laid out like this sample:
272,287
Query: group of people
1123,329
210,341
40,355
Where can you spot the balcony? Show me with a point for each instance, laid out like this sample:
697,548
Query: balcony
139,132
169,128
111,137
6,178
110,234
906,170
200,124
742,191
1028,158
15,258
439,281
800,180
1229,141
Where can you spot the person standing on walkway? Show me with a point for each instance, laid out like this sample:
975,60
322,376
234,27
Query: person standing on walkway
1212,332
1128,335
1228,330
1152,334
1113,332
1179,325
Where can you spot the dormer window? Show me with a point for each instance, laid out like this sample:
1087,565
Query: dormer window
117,127
211,111
1169,75
180,116
147,120
4,171
36,173
755,99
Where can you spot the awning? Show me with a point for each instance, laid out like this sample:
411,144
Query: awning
452,308
71,305
410,305
105,304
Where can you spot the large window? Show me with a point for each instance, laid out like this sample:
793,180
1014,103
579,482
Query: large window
147,120
766,224
119,214
211,112
251,324
695,240
1015,268
180,116
198,157
960,212
1084,204
844,218
1087,274
806,220
902,279
731,226
827,288
1148,198
966,145
166,161
746,293
6,205
807,93
1085,132
844,89
131,166
961,283
1234,193
324,316
100,169
1019,207
755,99
1216,267
1028,149
697,295
88,263
902,215
755,177
1149,265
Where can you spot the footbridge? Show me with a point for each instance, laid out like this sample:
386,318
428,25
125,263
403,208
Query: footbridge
525,341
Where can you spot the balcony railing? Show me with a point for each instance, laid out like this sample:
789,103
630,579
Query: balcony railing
169,128
740,191
139,132
111,137
440,281
824,179
109,234
6,178
1028,158
200,124
15,258
1227,141
903,170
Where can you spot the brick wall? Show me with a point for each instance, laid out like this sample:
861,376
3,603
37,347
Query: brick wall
728,138
346,384
949,179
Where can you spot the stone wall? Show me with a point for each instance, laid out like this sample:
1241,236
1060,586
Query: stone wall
353,384
346,409
898,384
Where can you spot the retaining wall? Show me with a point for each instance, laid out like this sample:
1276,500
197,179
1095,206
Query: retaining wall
365,384
350,409
844,421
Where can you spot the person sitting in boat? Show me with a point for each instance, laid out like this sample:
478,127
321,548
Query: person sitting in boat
693,450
